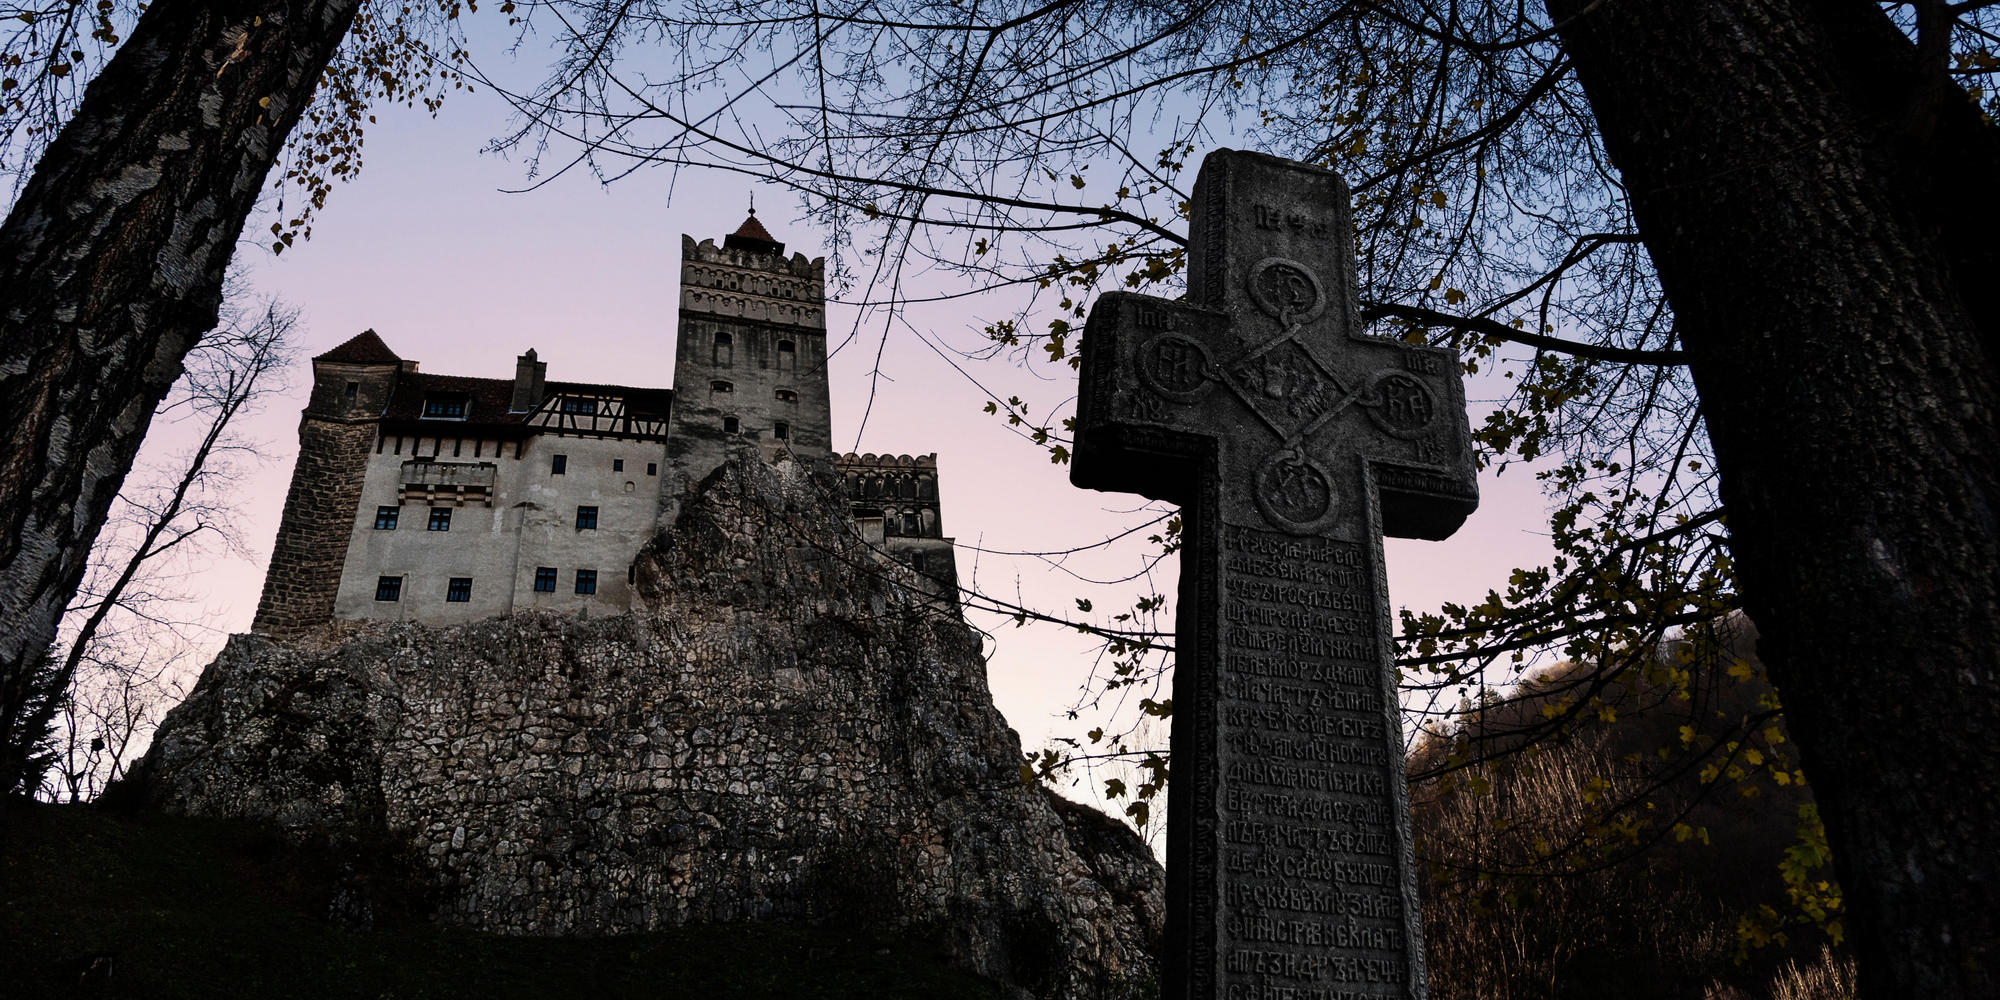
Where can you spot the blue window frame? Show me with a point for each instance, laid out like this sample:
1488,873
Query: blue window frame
586,581
440,519
586,519
388,588
459,590
385,518
545,580
447,407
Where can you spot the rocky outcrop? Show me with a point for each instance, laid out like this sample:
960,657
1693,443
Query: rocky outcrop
788,729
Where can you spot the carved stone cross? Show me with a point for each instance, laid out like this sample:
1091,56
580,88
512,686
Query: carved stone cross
1292,443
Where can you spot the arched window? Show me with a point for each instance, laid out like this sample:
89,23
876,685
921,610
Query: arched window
730,425
718,385
912,523
926,488
875,487
781,430
725,348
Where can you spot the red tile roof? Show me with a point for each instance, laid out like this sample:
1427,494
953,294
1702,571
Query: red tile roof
752,235
365,348
489,399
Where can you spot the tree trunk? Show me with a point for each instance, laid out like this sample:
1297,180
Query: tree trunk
1819,207
112,264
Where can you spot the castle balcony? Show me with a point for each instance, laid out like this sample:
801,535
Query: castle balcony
448,483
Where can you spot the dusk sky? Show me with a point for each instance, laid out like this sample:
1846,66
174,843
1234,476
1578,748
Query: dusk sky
426,249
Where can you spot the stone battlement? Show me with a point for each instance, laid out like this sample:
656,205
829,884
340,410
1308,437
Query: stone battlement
872,460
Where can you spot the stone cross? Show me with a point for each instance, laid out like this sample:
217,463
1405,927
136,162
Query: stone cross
1293,443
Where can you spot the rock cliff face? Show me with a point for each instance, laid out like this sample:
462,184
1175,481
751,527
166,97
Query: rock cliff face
789,728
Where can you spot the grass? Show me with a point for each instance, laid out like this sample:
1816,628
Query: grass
96,903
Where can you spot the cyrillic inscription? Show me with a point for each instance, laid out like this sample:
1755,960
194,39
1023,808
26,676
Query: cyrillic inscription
1310,873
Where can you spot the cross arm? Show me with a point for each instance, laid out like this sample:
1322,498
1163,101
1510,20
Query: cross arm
1140,425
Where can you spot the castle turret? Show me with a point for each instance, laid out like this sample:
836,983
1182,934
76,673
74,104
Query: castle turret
352,385
750,360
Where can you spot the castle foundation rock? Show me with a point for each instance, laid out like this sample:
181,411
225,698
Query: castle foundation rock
788,727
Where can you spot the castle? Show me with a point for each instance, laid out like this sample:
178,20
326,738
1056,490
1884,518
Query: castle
444,498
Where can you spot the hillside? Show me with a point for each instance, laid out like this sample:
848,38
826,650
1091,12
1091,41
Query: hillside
105,904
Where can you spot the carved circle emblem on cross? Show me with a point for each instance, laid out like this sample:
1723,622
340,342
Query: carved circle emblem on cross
1294,492
1286,290
1175,367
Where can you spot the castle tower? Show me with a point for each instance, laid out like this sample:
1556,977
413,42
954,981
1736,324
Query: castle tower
352,385
750,357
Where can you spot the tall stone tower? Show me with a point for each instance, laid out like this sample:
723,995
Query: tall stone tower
352,386
751,356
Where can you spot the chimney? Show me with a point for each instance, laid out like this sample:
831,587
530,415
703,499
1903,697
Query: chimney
528,377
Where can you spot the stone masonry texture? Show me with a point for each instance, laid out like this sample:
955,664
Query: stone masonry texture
304,576
784,729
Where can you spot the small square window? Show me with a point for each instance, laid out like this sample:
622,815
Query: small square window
618,465
459,590
586,581
781,431
388,588
586,518
718,385
447,407
652,468
730,425
558,465
545,580
353,389
440,519
385,518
